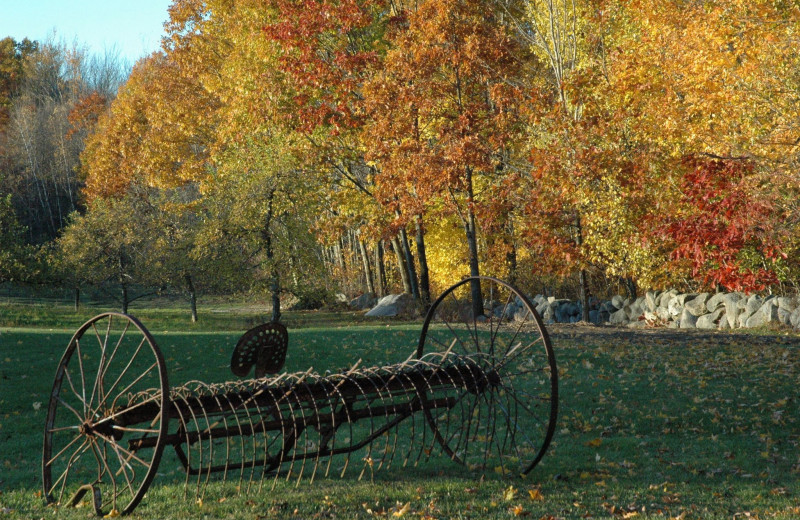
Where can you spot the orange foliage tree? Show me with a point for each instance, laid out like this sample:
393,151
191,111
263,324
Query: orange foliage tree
439,114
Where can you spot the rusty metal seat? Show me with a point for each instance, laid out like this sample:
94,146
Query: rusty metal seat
263,346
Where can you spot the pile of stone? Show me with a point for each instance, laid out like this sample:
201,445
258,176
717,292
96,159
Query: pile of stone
655,309
679,310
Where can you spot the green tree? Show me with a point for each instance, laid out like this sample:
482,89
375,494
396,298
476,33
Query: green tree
108,247
16,255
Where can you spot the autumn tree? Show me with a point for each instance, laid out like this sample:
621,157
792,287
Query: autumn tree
691,81
327,51
158,131
42,88
438,111
724,230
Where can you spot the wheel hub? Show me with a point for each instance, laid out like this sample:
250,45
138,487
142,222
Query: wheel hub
104,428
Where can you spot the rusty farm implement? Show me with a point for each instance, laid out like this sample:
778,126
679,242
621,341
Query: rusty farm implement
481,389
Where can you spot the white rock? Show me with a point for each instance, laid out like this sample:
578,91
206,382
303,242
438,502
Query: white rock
662,300
715,302
794,319
522,314
675,306
650,301
753,304
618,318
365,301
697,305
394,305
709,321
756,320
688,320
770,310
732,298
787,304
724,324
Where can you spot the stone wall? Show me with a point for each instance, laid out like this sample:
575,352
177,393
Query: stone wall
678,310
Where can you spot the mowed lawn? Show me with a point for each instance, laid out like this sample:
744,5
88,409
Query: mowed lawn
660,424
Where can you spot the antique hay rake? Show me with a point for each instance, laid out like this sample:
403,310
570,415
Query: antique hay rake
481,388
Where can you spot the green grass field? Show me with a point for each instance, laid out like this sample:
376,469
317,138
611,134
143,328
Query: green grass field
651,425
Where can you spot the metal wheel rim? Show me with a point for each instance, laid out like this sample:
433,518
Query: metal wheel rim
540,348
80,432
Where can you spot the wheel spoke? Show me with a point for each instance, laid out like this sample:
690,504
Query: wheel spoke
128,409
133,383
125,370
131,455
135,430
123,466
70,408
65,448
62,428
98,381
63,478
107,364
74,391
83,376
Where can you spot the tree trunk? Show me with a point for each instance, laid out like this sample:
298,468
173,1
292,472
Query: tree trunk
583,281
584,290
192,296
412,270
340,253
77,298
274,279
424,277
367,268
121,273
511,254
472,242
274,287
630,287
401,265
380,270
125,300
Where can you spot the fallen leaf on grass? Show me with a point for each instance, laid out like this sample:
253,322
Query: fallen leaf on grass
509,494
535,495
519,511
400,510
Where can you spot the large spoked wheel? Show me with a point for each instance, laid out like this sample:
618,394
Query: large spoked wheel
506,424
110,397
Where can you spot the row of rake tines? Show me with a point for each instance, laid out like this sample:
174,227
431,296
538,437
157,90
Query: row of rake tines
292,425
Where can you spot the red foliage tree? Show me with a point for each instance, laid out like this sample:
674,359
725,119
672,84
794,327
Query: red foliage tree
726,228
